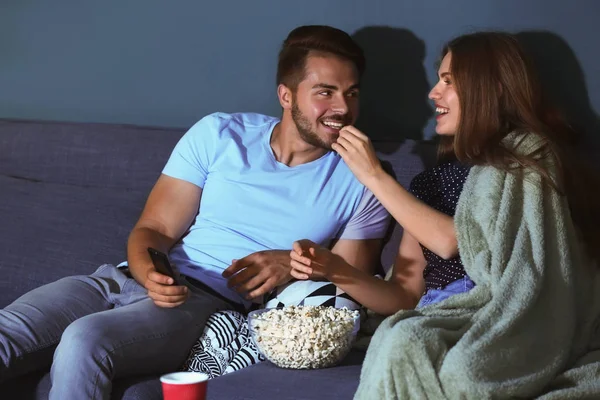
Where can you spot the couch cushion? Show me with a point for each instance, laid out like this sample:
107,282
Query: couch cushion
36,386
52,230
70,195
266,381
257,382
120,157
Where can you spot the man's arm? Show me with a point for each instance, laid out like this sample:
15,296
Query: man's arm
169,212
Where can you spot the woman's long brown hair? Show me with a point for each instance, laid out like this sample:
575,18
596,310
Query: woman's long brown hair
499,93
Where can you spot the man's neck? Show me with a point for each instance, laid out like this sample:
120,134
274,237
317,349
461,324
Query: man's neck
289,148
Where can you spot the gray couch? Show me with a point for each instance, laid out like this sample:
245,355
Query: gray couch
70,194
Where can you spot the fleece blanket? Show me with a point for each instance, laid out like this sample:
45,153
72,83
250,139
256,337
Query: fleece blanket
529,329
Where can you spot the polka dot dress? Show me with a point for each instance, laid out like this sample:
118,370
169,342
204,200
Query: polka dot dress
440,187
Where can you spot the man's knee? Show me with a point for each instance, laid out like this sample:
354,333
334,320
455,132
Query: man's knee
85,339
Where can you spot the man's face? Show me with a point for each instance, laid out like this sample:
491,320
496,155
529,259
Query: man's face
326,100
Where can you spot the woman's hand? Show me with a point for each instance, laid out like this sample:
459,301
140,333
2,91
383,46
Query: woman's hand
311,261
358,153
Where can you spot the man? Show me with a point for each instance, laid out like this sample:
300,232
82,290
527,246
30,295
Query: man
239,187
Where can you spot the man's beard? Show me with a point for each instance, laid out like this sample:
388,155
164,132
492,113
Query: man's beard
305,129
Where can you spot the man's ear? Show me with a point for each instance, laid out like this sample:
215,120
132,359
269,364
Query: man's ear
284,94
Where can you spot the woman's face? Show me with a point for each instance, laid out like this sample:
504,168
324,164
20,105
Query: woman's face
445,97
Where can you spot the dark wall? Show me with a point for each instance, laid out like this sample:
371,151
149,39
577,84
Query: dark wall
154,62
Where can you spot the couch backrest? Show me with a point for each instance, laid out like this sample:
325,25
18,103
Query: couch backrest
403,160
71,192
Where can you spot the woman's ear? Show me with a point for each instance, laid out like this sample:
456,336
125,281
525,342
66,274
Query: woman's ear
284,94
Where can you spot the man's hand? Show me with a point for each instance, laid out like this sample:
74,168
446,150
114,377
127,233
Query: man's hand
259,273
162,292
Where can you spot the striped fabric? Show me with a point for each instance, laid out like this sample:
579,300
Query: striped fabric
224,346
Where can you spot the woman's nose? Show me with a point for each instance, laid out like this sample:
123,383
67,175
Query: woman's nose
434,94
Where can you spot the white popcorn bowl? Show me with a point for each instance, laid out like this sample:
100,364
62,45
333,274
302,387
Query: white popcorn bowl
296,347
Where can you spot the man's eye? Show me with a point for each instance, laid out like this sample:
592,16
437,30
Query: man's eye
353,94
325,93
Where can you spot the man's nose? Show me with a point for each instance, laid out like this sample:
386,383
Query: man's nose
340,105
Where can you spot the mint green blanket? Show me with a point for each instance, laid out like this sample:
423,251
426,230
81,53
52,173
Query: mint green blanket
529,329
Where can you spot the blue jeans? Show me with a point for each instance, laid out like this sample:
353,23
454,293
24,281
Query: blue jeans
461,285
93,329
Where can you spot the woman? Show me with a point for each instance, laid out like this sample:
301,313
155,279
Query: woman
508,195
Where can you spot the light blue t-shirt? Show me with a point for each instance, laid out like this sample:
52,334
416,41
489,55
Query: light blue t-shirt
251,202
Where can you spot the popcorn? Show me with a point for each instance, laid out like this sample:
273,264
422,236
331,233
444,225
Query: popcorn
304,337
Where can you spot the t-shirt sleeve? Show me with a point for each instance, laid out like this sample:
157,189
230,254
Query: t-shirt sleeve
194,153
369,221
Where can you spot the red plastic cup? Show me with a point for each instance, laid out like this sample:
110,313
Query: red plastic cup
184,386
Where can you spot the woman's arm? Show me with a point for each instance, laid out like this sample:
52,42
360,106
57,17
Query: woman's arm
402,291
432,228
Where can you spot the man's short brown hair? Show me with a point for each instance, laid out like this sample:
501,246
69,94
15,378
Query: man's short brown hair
314,39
